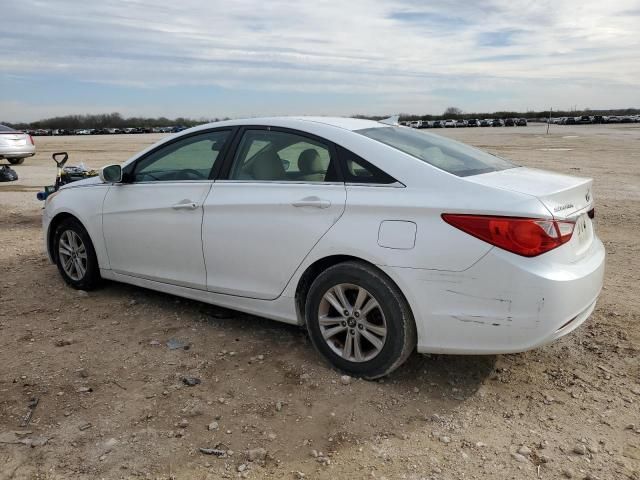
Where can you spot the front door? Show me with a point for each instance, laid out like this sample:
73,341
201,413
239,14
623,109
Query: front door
280,197
152,222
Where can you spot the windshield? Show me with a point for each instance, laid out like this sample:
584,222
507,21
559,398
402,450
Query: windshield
443,153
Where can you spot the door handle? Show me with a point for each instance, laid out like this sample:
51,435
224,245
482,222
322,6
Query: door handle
312,202
185,205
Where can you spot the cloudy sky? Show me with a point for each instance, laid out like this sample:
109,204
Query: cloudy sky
210,58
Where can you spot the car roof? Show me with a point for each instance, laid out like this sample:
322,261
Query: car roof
300,121
314,125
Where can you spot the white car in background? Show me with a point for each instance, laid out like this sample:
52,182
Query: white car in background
379,239
15,145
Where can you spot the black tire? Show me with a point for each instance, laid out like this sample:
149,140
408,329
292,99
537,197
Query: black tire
16,161
400,340
91,278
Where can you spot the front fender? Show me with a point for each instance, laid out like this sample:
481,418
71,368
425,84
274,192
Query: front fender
85,204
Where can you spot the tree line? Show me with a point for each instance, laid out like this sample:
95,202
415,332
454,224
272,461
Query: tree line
455,113
107,120
116,120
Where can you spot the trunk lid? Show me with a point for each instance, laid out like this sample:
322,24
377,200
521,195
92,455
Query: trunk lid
13,138
564,196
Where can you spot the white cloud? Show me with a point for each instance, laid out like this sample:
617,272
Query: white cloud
408,54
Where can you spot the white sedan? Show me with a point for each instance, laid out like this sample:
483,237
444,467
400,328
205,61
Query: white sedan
15,146
379,239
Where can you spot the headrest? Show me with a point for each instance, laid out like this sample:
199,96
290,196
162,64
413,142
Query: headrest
310,162
268,166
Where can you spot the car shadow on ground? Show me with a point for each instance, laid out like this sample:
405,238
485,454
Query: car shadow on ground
445,376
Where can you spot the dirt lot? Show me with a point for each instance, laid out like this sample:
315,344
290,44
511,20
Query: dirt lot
112,403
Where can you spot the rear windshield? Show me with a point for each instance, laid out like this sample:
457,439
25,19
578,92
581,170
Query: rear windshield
443,153
4,128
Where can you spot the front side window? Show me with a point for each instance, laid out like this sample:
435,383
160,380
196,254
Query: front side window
443,153
190,158
267,155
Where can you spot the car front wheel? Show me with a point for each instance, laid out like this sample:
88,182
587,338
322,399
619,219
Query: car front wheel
16,161
359,320
75,256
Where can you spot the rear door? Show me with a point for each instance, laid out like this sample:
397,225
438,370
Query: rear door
152,222
280,194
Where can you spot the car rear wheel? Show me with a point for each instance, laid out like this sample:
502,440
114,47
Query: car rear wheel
75,256
16,161
359,320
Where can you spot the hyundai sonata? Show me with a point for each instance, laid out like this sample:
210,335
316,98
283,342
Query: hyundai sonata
379,239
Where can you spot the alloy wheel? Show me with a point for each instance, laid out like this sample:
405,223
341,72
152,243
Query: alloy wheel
73,255
352,322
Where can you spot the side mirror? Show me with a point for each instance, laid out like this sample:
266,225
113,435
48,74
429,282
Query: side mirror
111,174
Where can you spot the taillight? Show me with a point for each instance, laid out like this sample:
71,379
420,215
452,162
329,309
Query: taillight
31,140
524,236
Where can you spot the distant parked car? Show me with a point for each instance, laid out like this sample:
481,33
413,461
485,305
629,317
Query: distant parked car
474,122
461,124
584,119
15,145
522,122
510,122
438,124
599,119
570,121
487,122
626,119
497,122
449,124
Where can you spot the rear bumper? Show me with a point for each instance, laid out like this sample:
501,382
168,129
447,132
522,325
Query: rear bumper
502,304
18,152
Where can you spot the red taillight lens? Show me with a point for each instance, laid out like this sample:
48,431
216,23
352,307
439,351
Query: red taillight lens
524,236
31,140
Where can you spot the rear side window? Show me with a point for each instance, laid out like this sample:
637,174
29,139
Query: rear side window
5,129
279,156
358,170
443,153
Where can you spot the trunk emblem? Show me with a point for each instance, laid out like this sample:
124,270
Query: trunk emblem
559,208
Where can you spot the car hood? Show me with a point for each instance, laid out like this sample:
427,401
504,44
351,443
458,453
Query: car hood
562,195
85,182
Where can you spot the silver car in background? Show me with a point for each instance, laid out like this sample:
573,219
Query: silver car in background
15,145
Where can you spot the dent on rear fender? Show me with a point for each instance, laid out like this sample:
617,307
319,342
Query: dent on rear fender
463,297
497,305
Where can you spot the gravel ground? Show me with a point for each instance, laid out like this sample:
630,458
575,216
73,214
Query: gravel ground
113,403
